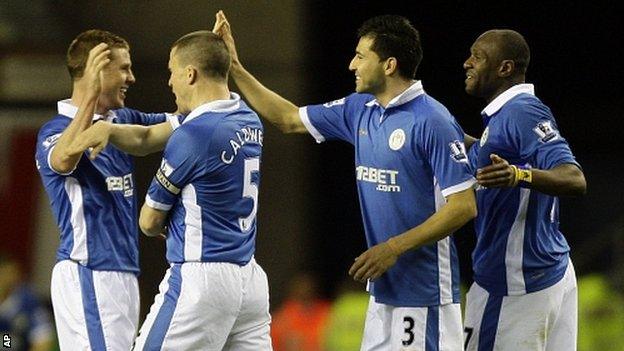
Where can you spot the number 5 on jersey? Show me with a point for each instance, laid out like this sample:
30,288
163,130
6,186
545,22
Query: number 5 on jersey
250,190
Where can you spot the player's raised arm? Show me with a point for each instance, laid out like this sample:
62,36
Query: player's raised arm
136,140
65,156
563,180
277,110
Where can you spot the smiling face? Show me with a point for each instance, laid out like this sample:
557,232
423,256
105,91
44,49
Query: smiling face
117,77
482,67
368,68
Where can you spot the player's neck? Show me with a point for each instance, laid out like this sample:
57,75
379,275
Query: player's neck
394,88
206,93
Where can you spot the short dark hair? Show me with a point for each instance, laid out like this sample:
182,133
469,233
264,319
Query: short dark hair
512,46
206,50
394,36
78,50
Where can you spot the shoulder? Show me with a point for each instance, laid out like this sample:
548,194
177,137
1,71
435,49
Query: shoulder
523,107
429,112
52,130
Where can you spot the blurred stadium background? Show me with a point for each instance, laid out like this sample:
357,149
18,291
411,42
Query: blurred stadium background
309,216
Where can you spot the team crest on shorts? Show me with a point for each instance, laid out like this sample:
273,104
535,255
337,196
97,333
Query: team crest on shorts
397,139
545,131
484,136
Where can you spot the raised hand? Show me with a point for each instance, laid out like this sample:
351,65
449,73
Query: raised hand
98,58
497,175
222,28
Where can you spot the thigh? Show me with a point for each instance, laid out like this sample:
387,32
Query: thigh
563,335
69,314
526,321
426,328
94,310
117,295
251,328
377,327
195,308
476,302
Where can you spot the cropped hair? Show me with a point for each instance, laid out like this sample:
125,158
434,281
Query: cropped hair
207,51
394,36
78,50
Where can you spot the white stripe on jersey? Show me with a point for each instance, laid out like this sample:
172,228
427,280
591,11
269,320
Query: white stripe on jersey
193,223
444,254
515,248
79,250
303,114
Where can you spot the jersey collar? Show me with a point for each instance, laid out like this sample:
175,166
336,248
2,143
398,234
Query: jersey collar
409,94
66,108
233,103
505,96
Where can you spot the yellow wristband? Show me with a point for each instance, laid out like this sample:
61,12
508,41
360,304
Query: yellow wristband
514,172
524,175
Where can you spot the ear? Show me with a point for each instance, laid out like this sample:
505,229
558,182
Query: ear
506,68
391,66
191,74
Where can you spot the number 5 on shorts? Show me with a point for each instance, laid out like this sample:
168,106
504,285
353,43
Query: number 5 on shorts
250,190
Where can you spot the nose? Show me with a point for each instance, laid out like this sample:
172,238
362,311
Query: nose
352,64
467,64
131,78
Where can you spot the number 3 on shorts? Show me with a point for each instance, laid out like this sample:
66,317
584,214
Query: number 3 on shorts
250,189
408,323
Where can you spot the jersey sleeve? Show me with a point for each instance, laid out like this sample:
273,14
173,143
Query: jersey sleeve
46,141
130,116
540,141
179,167
443,146
332,120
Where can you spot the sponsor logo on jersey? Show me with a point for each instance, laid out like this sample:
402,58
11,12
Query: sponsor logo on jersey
386,179
545,131
334,103
458,151
245,135
51,140
123,183
484,136
397,139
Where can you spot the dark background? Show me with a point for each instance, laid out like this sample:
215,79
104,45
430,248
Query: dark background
309,217
575,66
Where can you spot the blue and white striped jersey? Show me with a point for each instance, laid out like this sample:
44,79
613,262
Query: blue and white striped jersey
94,205
208,180
408,157
519,246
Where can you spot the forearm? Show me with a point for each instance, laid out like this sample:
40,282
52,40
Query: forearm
460,209
140,140
277,110
65,156
563,180
152,221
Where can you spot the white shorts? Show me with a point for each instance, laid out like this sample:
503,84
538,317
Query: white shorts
541,320
94,310
209,306
390,328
